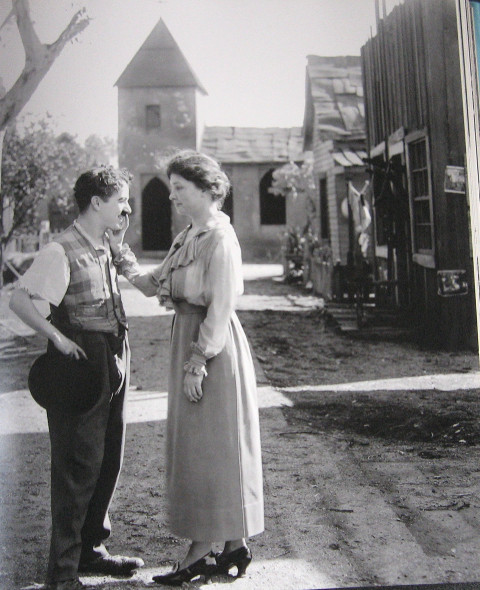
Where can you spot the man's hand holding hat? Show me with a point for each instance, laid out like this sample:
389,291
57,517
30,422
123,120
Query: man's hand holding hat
67,346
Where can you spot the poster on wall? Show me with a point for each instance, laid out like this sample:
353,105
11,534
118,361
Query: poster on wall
455,179
452,282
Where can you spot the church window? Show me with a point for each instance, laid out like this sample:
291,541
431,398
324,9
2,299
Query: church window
152,116
272,207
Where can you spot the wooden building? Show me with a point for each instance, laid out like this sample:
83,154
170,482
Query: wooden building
160,103
334,130
468,12
416,145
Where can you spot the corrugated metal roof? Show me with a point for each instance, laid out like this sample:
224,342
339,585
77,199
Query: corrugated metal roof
159,63
253,144
335,91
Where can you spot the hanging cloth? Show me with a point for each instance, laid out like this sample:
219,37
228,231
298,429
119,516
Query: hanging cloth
360,208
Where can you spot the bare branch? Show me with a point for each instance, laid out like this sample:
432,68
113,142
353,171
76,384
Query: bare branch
31,43
79,22
39,63
7,18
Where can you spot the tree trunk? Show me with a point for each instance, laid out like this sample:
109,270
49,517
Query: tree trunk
38,60
6,216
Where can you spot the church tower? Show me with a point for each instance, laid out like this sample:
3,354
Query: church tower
158,111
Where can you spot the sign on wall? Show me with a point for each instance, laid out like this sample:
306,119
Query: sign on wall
455,179
452,282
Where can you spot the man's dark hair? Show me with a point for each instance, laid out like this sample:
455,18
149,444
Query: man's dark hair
102,182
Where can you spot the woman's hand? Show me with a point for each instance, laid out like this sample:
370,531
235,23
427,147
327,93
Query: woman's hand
192,387
115,236
68,347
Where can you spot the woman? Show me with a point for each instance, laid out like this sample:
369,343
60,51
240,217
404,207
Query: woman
214,473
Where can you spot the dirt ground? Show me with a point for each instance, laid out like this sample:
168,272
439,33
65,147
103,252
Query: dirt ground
305,348
361,488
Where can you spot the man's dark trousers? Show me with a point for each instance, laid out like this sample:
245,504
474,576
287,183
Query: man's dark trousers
86,458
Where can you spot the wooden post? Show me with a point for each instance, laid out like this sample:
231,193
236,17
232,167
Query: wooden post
468,16
377,13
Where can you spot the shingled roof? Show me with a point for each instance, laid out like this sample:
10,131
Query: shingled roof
334,98
159,63
253,144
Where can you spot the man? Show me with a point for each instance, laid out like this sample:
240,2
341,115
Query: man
76,275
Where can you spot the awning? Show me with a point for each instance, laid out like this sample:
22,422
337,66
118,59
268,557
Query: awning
347,158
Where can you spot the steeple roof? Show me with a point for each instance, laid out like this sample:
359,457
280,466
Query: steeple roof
159,63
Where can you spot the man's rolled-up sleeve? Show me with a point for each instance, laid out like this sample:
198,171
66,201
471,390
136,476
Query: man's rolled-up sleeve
48,276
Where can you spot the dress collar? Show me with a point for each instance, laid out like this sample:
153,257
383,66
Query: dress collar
219,220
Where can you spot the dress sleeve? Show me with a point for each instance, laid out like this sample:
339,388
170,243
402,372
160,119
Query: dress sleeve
127,265
224,284
48,276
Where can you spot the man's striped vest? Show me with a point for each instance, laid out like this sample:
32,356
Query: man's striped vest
92,301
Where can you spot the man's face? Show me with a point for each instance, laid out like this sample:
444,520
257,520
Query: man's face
114,210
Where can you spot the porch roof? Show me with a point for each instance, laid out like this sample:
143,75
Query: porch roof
253,144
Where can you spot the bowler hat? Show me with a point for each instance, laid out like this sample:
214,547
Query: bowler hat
59,382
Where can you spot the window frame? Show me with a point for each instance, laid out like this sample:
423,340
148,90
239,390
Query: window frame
422,256
149,107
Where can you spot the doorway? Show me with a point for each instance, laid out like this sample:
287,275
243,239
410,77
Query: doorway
392,226
156,216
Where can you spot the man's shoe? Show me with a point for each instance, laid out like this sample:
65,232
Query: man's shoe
112,565
73,584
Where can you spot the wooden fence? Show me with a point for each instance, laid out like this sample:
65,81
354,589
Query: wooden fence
27,242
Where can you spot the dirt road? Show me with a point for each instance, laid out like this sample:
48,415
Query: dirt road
366,482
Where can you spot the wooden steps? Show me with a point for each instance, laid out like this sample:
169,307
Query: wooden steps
386,323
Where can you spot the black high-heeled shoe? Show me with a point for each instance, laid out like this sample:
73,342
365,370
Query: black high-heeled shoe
205,566
240,558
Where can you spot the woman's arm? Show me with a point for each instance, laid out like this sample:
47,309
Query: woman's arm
225,284
127,265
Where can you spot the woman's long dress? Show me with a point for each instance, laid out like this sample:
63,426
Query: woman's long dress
214,471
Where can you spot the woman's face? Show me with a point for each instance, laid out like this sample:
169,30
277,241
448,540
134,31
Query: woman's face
187,197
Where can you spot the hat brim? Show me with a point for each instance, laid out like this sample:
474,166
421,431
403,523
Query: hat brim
59,382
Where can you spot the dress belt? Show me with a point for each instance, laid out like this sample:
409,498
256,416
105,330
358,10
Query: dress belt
183,307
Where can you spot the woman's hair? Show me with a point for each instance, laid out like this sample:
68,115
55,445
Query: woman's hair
203,171
102,182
